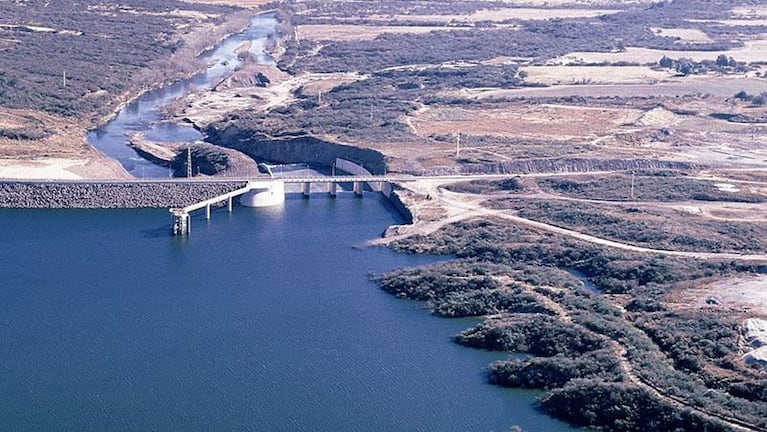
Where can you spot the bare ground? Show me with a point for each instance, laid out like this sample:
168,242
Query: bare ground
738,295
50,147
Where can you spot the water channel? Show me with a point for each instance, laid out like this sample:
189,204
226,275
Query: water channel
145,113
262,320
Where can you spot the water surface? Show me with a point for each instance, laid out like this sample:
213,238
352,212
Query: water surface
261,320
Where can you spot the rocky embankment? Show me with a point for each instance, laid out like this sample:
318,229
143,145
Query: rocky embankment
755,337
109,195
299,149
292,149
562,165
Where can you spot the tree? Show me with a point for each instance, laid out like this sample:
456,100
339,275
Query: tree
722,60
685,67
666,62
742,95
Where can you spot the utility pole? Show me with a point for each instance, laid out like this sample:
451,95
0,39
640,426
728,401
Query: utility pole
632,185
319,97
458,144
64,77
188,162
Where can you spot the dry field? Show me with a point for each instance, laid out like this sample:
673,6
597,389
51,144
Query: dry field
752,51
563,75
672,87
752,11
738,295
557,122
684,35
60,152
738,22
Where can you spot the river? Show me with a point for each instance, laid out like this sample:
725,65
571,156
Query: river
145,113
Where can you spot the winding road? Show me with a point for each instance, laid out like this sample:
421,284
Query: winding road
462,206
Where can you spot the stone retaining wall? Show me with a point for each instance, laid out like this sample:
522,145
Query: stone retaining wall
109,195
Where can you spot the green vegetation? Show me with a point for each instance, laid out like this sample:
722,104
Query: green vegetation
487,187
722,64
690,358
466,288
535,334
555,371
621,407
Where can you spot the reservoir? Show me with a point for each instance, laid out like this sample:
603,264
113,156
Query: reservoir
262,320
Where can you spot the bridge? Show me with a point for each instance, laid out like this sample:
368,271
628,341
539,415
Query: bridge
273,191
266,192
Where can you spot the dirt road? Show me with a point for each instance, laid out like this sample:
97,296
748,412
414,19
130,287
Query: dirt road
460,206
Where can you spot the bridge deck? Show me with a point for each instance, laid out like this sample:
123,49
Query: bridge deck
394,178
255,183
211,201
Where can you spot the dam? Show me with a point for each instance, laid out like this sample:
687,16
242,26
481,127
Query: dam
271,192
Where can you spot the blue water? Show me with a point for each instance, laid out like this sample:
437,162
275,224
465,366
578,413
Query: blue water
261,320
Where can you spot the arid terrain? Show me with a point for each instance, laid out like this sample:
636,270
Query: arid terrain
634,139
47,109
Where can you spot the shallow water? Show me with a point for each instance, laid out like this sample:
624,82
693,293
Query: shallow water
145,113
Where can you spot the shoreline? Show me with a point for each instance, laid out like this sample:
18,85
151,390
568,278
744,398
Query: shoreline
127,99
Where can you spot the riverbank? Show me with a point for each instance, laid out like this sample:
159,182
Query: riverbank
50,142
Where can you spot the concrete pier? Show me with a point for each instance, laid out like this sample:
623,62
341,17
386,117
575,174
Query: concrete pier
332,188
181,225
358,188
264,193
181,222
387,188
307,189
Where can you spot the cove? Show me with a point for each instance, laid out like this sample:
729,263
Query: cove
263,320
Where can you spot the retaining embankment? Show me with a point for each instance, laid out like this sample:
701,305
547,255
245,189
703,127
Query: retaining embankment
400,206
109,195
293,149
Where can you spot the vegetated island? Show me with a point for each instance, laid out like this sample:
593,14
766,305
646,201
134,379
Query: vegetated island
625,253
